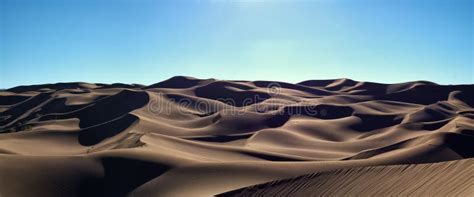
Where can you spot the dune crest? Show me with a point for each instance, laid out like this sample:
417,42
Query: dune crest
448,178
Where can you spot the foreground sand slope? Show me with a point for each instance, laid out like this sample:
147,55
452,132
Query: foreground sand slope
450,178
187,136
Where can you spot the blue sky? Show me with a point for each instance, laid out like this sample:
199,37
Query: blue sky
144,41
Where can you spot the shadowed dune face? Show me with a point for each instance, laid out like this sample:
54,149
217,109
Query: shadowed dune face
95,134
159,139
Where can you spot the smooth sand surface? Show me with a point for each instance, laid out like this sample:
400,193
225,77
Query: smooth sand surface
196,137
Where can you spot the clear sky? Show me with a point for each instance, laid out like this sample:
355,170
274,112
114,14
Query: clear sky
144,41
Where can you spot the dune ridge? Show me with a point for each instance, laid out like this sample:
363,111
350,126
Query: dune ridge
449,178
200,137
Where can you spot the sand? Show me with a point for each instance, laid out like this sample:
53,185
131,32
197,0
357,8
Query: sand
204,137
449,178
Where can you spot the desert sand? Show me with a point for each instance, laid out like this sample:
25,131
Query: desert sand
203,137
449,178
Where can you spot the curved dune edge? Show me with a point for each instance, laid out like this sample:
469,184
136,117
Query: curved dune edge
451,178
202,137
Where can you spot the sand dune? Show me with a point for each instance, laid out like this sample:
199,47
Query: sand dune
450,178
196,137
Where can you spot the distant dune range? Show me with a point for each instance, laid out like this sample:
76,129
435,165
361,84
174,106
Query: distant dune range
204,137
